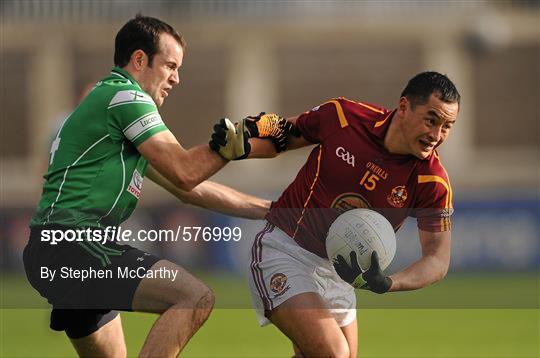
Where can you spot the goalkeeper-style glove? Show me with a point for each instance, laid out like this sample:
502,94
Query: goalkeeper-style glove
230,141
373,279
270,126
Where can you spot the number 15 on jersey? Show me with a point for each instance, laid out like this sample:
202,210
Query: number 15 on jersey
369,180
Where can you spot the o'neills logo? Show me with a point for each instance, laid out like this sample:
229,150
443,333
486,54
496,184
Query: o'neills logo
380,172
277,284
348,201
397,196
135,186
446,213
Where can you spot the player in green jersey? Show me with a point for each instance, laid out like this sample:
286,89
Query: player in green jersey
98,160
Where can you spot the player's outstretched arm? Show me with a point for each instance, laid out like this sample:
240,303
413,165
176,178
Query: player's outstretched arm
184,168
216,197
269,135
264,148
432,267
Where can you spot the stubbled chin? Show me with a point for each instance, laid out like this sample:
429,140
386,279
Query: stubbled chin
422,154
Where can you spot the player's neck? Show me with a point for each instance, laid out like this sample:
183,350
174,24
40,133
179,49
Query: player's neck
132,72
394,141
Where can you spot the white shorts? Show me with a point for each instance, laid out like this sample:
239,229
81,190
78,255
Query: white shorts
280,269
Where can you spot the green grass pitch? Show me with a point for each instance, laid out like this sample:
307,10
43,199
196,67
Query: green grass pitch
464,316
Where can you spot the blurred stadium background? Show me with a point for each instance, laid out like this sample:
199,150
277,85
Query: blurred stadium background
288,56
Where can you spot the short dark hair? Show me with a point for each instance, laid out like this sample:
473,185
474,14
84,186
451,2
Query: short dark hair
142,33
420,87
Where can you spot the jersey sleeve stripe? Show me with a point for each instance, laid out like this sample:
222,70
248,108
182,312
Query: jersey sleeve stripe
340,113
371,108
142,125
138,119
128,97
130,102
311,189
380,123
445,222
147,129
437,179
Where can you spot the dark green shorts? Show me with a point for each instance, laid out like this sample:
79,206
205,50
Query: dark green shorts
90,279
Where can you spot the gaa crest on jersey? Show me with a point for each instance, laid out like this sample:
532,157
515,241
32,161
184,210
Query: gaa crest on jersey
345,156
397,196
278,284
348,201
135,186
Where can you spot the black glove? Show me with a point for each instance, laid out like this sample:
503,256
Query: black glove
351,274
376,280
270,126
230,141
373,279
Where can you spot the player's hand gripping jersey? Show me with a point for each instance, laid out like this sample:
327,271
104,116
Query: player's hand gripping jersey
350,168
95,172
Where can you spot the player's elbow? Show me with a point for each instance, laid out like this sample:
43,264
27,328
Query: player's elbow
185,182
441,275
186,185
441,271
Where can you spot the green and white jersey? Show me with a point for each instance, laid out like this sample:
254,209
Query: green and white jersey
95,173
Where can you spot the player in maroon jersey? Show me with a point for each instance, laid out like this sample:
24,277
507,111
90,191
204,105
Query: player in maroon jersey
365,156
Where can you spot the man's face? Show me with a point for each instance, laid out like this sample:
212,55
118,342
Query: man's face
427,125
158,79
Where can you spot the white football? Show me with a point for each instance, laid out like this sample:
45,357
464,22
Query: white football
363,231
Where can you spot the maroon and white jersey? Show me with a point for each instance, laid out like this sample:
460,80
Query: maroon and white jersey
350,168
